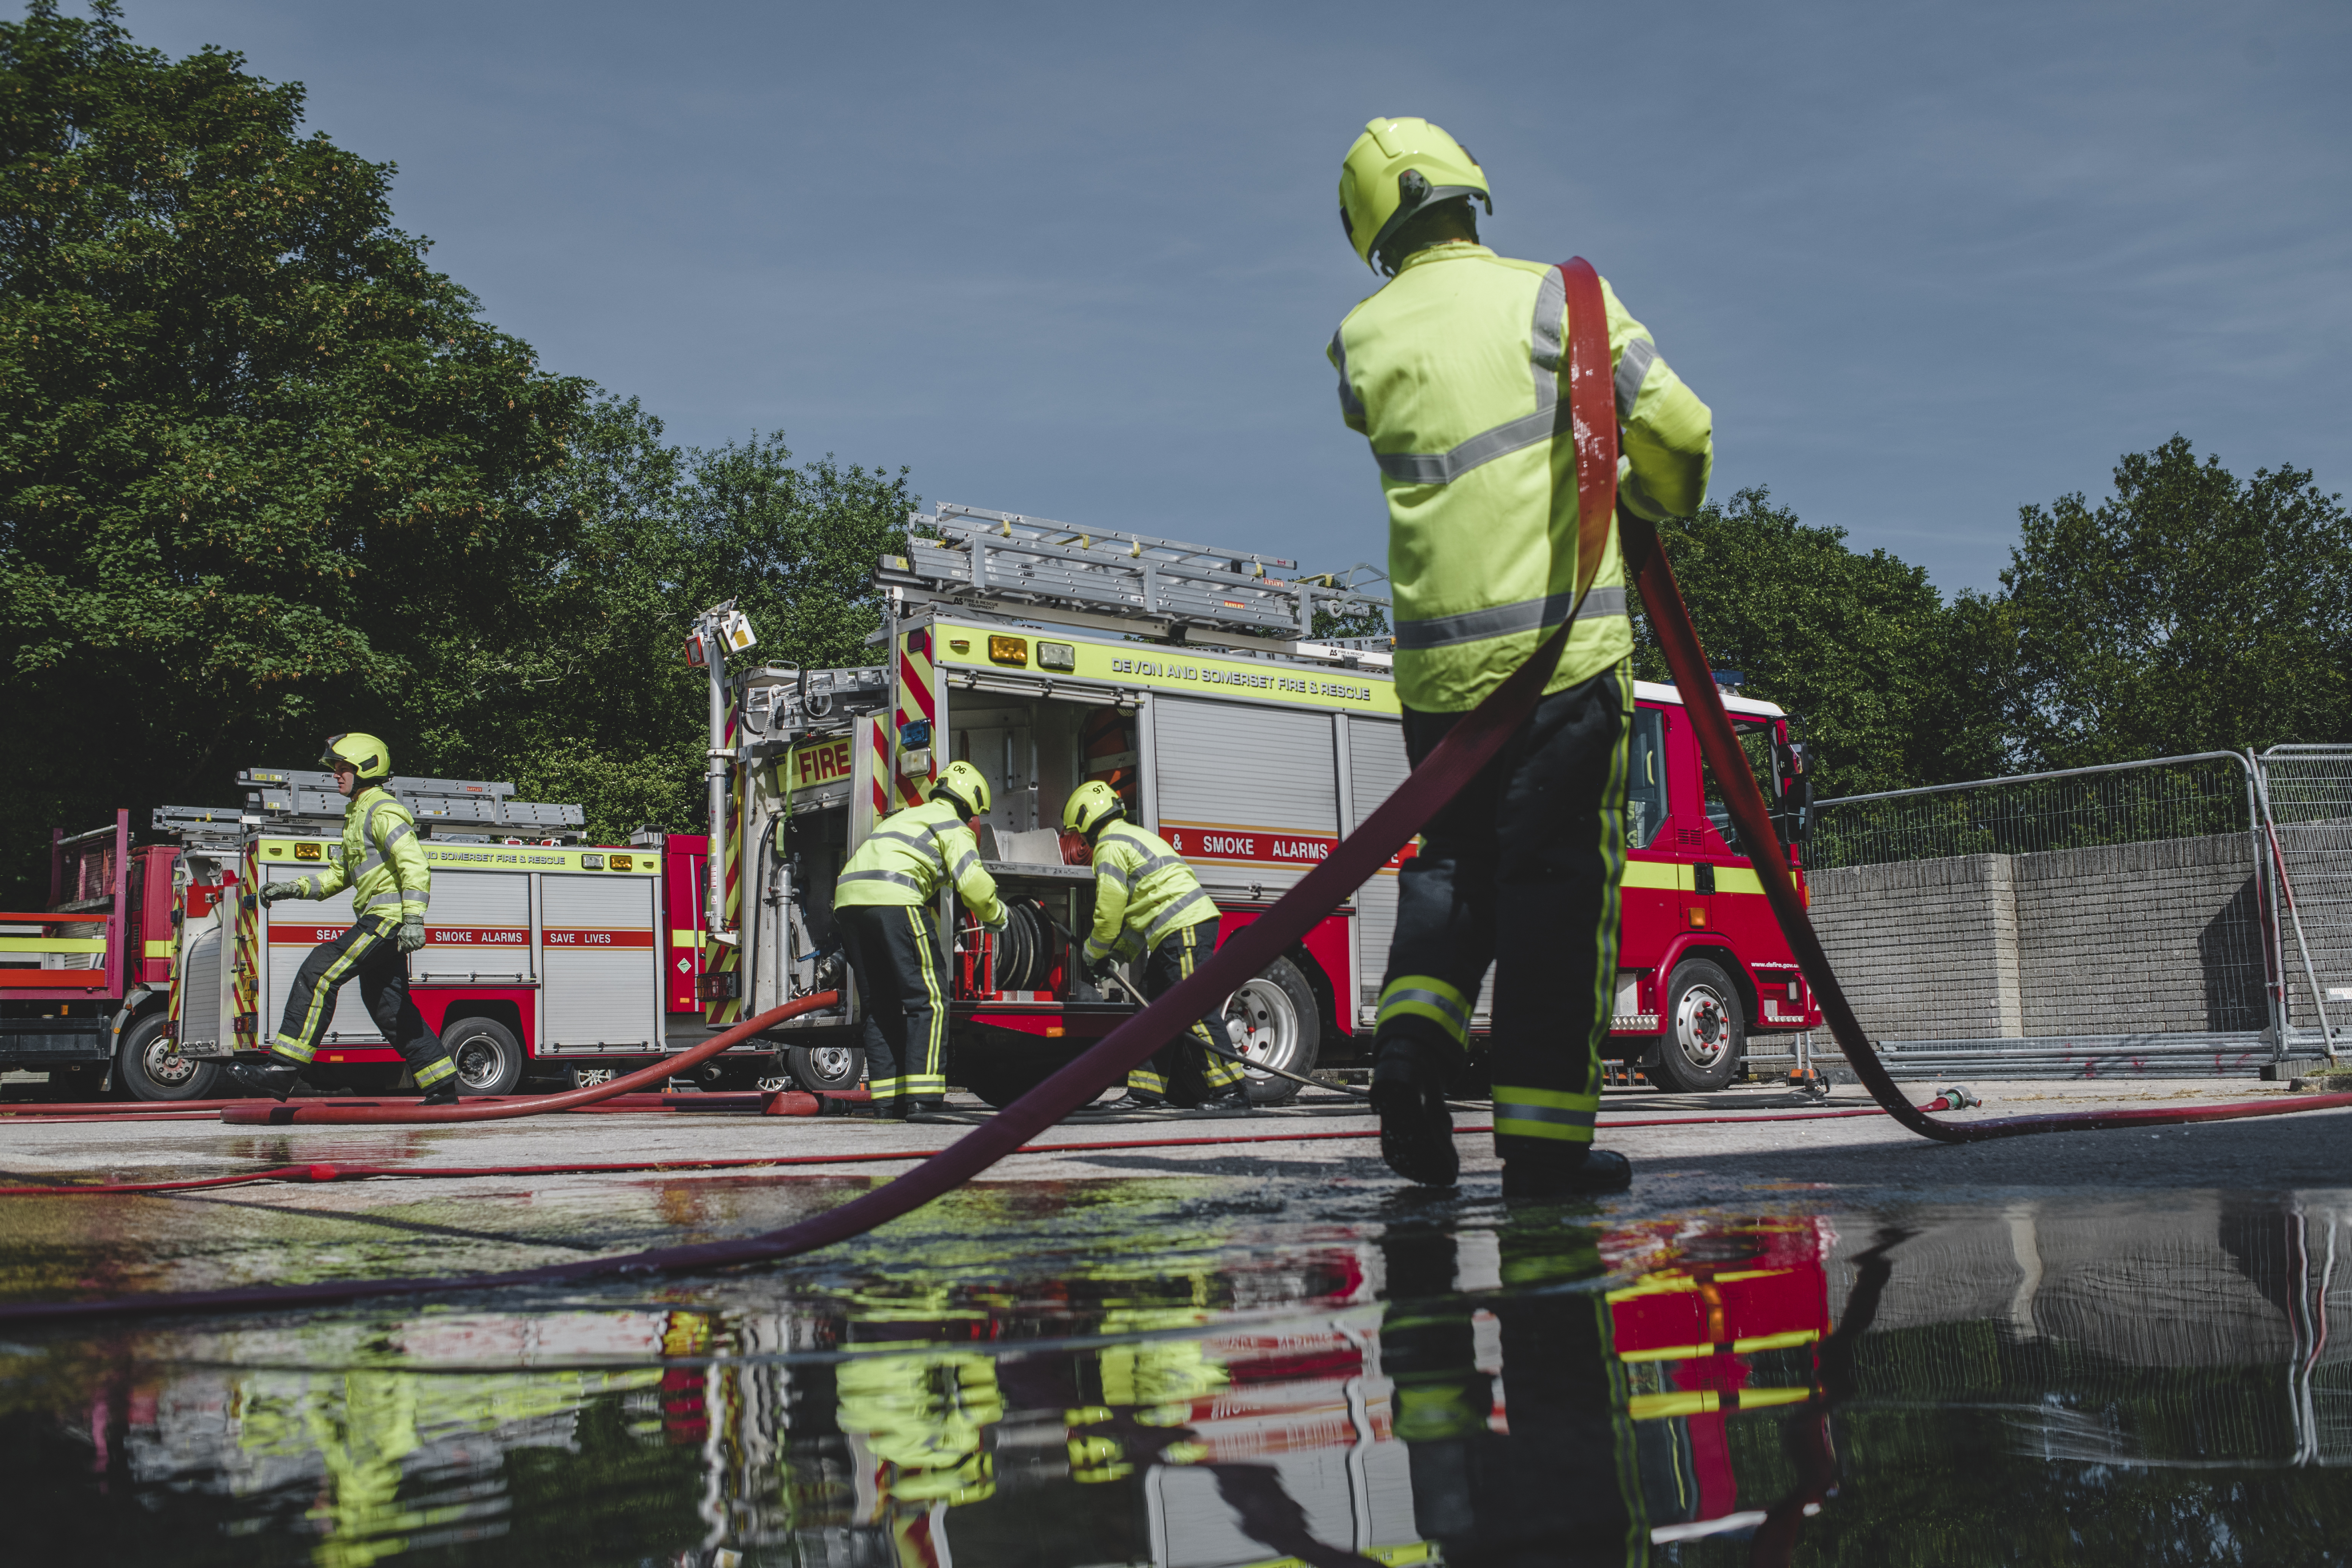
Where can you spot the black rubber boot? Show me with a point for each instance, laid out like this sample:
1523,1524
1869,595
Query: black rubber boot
1127,1104
1416,1129
1570,1170
276,1080
1234,1101
443,1093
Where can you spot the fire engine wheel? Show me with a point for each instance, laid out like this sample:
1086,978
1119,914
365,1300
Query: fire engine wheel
816,1067
1001,1079
489,1058
1707,1034
1273,1019
151,1067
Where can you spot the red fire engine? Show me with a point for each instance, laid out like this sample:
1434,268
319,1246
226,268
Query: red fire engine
1046,655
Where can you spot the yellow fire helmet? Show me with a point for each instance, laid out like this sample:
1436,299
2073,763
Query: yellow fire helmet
964,784
1397,167
1091,804
363,754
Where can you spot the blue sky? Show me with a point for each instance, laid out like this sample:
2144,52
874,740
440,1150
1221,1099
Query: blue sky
1928,263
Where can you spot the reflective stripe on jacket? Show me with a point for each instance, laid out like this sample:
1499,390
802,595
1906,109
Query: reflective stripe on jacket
1143,893
382,864
910,853
1452,372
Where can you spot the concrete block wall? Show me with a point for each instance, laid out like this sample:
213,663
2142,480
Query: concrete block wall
2123,939
1924,949
2135,937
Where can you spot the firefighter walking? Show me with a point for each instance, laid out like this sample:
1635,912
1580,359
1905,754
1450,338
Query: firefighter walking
391,887
1452,371
883,905
1147,902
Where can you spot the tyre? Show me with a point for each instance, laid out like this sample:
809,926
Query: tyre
582,1076
1273,1019
1001,1080
822,1066
489,1057
150,1066
1705,1032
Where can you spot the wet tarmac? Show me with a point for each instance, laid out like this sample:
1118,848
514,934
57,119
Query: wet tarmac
1808,1342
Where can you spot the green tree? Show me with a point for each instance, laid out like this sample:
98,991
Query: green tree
256,459
585,695
2190,611
1856,646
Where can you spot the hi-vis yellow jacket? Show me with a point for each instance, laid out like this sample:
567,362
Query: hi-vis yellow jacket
1144,892
381,864
908,855
1452,371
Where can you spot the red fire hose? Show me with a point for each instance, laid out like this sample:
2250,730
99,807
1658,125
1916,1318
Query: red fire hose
1670,620
322,1172
314,1112
1465,750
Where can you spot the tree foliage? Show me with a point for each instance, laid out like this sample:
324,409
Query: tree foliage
1855,644
595,704
2190,611
256,459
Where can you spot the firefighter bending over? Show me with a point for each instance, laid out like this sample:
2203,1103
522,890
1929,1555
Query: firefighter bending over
884,904
1454,372
390,889
1147,902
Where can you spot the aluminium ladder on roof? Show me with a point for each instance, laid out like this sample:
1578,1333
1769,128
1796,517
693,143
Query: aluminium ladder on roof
975,556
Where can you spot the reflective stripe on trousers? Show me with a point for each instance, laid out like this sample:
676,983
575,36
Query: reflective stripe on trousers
1522,870
367,953
1185,1057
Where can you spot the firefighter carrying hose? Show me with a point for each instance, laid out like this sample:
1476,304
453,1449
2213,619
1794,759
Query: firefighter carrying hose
390,889
883,904
1149,903
1452,371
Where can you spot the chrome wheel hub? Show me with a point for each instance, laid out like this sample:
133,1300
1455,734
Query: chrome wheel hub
1701,1026
1262,1023
164,1064
477,1061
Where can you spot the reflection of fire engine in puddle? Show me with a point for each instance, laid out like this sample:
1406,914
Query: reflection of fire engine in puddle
1340,1397
1178,1449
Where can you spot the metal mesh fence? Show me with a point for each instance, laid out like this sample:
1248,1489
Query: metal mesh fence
2308,790
2093,923
2130,802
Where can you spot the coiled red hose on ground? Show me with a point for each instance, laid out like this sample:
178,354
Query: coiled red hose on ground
344,1113
323,1171
1457,758
1465,749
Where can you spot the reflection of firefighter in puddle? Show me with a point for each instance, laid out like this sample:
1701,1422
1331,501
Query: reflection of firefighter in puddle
1552,1476
937,1431
922,1415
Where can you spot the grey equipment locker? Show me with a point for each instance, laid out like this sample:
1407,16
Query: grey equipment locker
1229,773
603,992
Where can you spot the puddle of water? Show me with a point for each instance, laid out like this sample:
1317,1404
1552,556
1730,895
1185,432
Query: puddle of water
2075,1381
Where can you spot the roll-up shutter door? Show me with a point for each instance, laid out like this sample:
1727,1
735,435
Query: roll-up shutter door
597,956
1250,795
478,929
351,1025
1376,767
598,960
200,986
